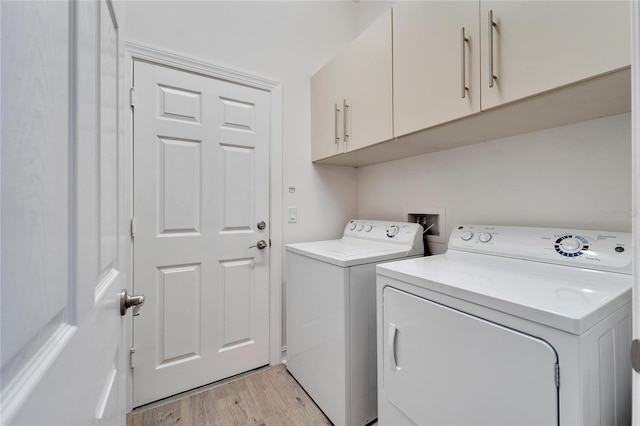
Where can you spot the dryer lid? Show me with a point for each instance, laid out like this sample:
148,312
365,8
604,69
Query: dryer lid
567,298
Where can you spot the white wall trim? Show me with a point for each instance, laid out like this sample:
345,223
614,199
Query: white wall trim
635,173
139,52
277,222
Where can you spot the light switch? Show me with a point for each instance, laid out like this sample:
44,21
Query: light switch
293,214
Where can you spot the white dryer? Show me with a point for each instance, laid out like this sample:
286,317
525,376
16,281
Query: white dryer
512,326
331,314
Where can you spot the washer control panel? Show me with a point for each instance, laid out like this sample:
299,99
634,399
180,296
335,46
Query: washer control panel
400,232
601,250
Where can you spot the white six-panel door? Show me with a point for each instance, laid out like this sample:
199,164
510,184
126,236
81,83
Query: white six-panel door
64,215
201,187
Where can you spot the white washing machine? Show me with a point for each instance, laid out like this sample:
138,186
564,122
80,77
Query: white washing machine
331,314
512,326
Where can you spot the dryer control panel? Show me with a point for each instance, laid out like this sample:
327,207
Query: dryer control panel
601,250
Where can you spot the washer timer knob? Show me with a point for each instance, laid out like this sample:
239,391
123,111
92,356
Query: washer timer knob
352,226
570,245
392,230
466,235
360,227
484,237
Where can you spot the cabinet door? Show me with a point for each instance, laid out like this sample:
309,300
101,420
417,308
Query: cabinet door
428,63
326,122
445,367
368,87
542,45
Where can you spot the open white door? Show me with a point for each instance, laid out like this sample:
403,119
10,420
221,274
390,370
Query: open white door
64,215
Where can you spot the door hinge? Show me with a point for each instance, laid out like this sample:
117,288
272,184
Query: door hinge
132,351
557,375
635,355
133,227
132,96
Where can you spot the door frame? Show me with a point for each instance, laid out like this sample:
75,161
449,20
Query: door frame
134,52
635,212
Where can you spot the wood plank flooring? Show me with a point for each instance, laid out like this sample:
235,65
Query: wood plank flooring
269,396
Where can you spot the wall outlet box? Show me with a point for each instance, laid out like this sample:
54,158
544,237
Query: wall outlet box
433,219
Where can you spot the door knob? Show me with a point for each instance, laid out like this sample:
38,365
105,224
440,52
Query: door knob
260,244
127,301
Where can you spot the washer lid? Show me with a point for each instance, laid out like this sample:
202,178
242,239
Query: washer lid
567,298
350,251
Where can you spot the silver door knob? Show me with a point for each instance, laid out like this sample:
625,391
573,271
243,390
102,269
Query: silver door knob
260,244
127,301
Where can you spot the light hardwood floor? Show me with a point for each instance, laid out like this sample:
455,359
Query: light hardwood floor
269,396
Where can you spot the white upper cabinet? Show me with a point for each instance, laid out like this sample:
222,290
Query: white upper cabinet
368,87
436,63
326,109
543,45
351,96
434,75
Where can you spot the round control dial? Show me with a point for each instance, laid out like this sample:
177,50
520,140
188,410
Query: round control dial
392,231
466,235
352,226
360,227
570,245
368,228
484,237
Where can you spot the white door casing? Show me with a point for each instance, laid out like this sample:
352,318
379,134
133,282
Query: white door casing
201,186
64,218
635,144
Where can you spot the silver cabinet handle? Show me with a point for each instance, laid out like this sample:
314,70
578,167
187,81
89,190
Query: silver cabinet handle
345,125
336,115
463,41
260,245
492,24
393,331
127,301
